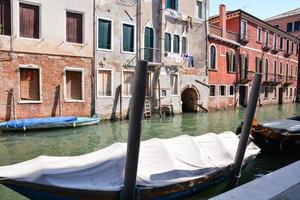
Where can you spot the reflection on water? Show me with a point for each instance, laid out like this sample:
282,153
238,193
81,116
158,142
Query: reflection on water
18,147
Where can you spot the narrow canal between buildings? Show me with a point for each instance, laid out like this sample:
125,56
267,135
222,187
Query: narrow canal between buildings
18,147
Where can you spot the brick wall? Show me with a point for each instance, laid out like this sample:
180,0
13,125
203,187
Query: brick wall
52,72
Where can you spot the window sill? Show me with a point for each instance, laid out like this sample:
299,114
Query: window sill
107,50
128,52
105,97
222,96
74,101
32,39
30,102
259,42
126,96
231,72
76,44
213,70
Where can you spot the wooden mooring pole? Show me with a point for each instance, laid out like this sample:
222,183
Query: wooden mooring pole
134,131
250,112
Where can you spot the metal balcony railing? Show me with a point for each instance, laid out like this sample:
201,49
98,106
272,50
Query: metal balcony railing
217,31
244,38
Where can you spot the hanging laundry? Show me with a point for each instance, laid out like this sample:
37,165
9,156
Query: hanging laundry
191,61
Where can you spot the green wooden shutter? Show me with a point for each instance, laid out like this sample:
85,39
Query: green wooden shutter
104,34
128,38
148,44
167,42
176,44
168,3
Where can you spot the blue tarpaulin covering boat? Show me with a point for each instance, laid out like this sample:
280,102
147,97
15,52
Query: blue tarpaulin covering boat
47,123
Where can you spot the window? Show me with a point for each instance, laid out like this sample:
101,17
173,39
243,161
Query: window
281,43
104,83
275,68
291,92
104,34
231,90
286,92
292,71
200,10
266,38
5,17
128,78
174,84
213,58
244,66
29,21
222,89
275,41
184,45
274,92
289,27
149,44
266,92
267,70
287,70
74,28
172,4
292,51
281,69
149,85
287,46
258,35
231,61
212,90
163,93
297,26
258,65
30,87
176,44
244,29
74,85
167,42
128,38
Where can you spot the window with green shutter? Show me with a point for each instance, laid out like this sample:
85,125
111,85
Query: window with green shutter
104,34
148,44
172,4
167,42
176,44
184,45
128,38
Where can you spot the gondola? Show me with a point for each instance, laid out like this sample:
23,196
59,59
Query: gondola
277,135
47,123
168,169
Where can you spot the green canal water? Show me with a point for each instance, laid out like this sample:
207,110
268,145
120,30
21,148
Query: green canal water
18,147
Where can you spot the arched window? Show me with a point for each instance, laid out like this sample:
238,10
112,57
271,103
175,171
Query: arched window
287,70
281,69
184,45
267,70
213,53
176,44
167,42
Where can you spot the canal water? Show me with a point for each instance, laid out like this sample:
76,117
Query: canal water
18,147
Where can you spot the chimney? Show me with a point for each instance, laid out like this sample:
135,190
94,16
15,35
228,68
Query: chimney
223,18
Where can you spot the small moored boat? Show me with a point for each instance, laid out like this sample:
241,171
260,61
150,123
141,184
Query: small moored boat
47,123
168,169
278,134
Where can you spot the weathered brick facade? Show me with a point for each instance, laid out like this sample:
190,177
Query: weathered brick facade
52,72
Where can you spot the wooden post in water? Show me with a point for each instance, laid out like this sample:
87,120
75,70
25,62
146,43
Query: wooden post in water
134,131
250,112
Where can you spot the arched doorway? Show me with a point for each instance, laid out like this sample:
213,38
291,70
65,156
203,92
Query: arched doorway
190,98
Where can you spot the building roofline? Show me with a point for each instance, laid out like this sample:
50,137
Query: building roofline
285,14
264,23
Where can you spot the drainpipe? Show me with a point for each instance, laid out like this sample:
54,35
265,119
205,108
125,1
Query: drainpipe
298,81
206,34
94,68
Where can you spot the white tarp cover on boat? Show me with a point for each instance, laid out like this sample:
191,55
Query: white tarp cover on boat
162,162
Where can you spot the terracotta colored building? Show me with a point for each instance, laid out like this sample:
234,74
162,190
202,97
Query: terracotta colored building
288,21
46,51
242,45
